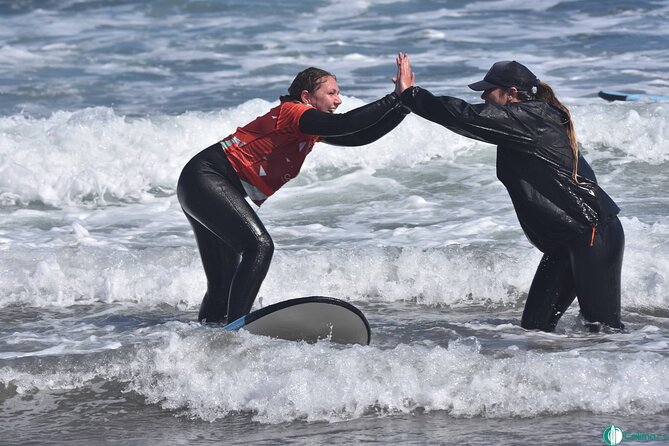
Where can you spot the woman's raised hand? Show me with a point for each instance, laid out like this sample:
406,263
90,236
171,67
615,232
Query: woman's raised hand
405,77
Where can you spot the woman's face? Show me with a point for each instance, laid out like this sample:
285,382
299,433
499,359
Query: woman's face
495,95
500,95
325,98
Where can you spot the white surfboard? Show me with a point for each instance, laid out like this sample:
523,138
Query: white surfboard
308,319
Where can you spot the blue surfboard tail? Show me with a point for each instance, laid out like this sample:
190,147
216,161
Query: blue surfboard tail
236,325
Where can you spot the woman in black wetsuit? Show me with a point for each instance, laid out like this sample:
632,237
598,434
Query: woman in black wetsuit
554,191
255,161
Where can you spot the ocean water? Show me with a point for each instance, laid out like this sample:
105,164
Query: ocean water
102,103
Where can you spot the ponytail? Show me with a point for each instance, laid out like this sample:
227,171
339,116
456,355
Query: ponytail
545,93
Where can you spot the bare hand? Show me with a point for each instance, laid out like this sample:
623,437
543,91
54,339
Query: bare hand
405,77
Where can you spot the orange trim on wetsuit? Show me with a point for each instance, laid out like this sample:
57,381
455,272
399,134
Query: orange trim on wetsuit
269,151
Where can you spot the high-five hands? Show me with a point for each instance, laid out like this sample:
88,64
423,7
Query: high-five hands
405,77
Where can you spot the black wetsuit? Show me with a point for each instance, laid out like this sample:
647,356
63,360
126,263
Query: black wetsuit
235,248
574,223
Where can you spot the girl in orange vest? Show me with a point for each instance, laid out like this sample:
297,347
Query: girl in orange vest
255,161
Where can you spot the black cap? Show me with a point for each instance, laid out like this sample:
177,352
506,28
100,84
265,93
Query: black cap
507,74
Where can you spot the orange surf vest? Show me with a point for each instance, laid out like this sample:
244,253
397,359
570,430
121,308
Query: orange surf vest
269,151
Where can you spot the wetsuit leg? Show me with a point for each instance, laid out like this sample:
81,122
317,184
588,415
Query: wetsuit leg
210,194
551,293
220,263
597,270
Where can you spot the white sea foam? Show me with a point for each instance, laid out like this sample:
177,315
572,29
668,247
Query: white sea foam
281,381
94,270
637,132
208,374
423,209
95,154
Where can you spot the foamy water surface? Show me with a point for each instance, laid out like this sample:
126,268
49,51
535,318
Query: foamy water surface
103,103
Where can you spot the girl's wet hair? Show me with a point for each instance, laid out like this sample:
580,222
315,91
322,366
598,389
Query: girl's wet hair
309,79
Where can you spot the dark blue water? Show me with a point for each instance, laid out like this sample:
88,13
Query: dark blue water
168,57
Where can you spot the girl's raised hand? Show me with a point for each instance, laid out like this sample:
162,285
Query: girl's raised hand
405,77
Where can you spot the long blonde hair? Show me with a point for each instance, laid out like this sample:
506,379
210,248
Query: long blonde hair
545,93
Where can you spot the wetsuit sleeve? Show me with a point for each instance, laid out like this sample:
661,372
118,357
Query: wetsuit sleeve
486,122
318,123
371,133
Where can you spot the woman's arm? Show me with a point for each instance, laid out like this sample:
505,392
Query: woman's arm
486,122
371,133
318,123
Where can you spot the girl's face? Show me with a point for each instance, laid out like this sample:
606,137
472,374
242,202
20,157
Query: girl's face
325,98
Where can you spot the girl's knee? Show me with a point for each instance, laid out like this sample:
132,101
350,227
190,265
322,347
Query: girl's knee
266,244
264,249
